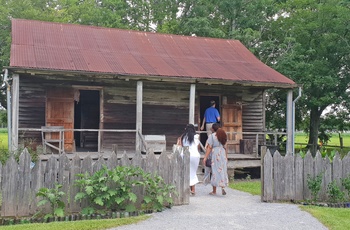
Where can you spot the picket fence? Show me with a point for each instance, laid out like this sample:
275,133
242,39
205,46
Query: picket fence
21,181
284,178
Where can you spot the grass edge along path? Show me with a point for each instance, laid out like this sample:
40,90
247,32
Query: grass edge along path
332,218
78,225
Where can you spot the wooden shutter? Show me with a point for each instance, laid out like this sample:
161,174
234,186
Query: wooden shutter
60,112
231,119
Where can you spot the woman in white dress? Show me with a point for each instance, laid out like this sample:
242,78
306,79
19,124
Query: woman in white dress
191,139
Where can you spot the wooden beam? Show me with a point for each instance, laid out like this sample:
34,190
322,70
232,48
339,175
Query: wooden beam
192,103
15,107
139,96
289,115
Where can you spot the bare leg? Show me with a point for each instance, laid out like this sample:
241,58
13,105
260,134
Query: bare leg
193,189
214,191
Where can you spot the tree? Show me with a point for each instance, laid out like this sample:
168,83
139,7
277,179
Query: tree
312,47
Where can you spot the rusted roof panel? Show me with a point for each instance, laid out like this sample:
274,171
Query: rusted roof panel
69,47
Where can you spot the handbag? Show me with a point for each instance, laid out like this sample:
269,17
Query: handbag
208,162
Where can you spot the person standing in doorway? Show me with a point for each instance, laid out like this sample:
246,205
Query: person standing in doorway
211,116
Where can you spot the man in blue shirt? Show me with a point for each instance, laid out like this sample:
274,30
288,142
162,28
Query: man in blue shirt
211,116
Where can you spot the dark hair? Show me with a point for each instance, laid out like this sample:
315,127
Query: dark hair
221,135
215,126
212,102
189,133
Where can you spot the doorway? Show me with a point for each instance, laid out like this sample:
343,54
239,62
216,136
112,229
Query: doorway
86,116
204,103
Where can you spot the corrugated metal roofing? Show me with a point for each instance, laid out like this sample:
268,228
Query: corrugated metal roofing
70,47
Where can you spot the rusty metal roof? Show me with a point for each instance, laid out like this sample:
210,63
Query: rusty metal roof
69,47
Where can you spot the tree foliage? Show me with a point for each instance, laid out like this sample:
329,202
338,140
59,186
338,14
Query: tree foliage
313,49
306,40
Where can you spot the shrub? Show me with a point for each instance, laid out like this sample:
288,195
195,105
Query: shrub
314,184
346,183
54,197
111,189
334,193
157,192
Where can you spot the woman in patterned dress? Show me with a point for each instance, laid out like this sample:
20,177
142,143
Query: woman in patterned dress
216,146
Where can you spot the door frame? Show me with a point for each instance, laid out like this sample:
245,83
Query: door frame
100,89
203,106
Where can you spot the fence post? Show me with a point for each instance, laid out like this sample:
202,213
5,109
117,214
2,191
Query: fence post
263,153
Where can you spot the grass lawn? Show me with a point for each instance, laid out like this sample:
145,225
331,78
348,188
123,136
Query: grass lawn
77,225
332,218
3,139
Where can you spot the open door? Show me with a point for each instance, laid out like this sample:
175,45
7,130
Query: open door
60,112
204,104
232,122
87,116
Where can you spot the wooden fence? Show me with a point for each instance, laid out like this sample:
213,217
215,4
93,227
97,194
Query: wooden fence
21,181
284,178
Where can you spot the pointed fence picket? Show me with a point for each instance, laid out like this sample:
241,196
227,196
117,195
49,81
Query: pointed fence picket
19,182
284,178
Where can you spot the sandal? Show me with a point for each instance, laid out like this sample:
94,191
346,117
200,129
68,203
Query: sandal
212,193
223,192
193,193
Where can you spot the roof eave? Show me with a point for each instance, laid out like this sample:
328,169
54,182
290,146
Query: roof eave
182,79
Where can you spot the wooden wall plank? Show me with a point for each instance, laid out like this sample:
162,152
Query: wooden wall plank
63,177
268,177
299,185
278,176
9,188
337,169
308,172
24,181
288,164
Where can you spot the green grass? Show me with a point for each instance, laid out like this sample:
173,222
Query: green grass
303,138
3,140
332,218
252,187
78,225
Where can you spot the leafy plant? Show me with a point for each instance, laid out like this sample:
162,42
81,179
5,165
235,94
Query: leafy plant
346,183
157,192
302,154
54,197
334,193
314,184
111,189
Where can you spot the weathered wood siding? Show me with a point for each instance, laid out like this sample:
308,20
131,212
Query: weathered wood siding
253,112
165,106
284,178
32,98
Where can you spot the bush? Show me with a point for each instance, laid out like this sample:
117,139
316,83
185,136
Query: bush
113,189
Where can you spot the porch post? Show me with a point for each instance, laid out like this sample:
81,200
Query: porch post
139,96
192,104
289,115
15,107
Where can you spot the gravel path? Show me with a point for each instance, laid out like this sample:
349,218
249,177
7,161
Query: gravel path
236,210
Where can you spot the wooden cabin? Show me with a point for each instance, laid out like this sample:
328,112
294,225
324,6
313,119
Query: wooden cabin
100,87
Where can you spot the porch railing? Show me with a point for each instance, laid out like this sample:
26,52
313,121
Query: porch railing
260,137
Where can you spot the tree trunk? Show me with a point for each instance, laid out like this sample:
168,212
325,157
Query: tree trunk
314,125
